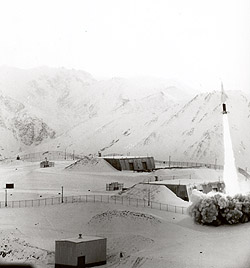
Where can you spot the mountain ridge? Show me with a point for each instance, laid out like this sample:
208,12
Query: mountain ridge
71,110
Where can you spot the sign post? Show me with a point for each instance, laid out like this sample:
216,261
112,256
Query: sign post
7,186
6,195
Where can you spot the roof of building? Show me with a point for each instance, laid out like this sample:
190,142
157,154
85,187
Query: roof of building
124,157
82,239
184,182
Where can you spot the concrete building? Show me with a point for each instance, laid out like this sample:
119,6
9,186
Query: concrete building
84,251
46,163
135,163
114,186
183,188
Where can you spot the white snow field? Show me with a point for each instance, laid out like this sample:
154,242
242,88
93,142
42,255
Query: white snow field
146,237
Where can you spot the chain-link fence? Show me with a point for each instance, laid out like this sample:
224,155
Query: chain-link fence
182,164
119,200
50,155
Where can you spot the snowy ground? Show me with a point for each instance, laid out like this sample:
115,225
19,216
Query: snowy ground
147,238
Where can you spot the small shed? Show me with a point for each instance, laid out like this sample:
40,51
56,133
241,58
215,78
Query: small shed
84,251
135,163
46,163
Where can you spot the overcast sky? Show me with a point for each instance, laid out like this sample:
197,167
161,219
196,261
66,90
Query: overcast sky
196,42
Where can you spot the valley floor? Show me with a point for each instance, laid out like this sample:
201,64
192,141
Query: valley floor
146,237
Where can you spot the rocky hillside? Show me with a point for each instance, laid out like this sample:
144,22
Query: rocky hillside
19,128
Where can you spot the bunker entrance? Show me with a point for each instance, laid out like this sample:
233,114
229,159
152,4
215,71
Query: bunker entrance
81,262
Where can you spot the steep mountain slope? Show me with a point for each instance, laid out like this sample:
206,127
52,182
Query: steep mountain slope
153,125
63,99
52,94
194,131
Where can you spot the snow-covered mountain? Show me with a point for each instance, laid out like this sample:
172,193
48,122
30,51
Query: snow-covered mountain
60,109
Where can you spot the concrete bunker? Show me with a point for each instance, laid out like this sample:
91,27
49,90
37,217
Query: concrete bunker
134,163
84,251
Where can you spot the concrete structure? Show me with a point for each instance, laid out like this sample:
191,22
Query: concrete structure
84,251
114,186
135,163
183,188
208,187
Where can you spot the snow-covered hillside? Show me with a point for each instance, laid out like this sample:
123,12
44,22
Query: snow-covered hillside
19,128
60,109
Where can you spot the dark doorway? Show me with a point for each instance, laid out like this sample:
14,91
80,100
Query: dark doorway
81,262
131,166
144,165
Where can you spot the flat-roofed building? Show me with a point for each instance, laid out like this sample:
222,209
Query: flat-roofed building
84,251
135,163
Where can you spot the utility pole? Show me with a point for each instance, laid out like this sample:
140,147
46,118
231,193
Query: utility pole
148,196
148,193
62,194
